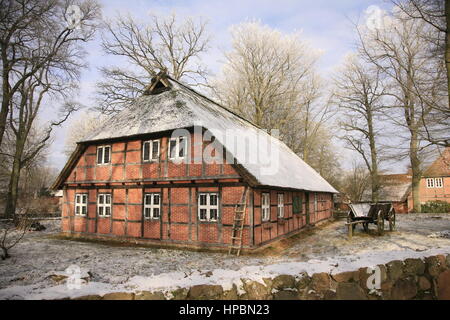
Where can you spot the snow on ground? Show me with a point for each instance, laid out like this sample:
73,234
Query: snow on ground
114,268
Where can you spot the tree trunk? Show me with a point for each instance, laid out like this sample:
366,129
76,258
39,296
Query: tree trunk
374,157
416,174
5,254
13,187
447,46
5,106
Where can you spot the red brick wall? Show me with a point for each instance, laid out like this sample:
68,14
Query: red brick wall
435,194
275,228
179,215
127,178
127,165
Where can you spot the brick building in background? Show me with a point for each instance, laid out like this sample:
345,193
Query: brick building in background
434,185
134,179
435,182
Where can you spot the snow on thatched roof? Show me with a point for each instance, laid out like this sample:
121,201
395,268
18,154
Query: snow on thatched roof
175,106
393,188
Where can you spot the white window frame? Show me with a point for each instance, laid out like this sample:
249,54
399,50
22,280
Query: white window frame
208,207
152,206
150,149
177,148
103,206
103,161
439,183
82,204
280,207
265,207
430,183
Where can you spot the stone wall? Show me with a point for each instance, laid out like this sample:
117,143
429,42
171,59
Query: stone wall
426,279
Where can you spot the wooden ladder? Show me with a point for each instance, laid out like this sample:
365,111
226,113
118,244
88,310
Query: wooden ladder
238,225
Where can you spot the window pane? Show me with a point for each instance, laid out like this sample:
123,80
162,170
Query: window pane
213,214
100,199
100,211
172,146
155,150
84,198
203,199
182,147
203,214
156,199
83,210
108,199
107,154
146,151
148,198
155,212
77,209
108,211
99,154
147,212
213,200
77,199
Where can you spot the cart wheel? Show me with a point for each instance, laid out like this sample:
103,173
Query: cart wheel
380,223
366,227
392,221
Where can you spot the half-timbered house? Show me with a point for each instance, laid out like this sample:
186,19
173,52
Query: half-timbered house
143,176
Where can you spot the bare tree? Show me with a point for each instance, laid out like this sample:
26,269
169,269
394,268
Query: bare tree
355,182
32,33
53,77
12,232
80,129
359,92
166,43
265,75
270,79
436,13
398,50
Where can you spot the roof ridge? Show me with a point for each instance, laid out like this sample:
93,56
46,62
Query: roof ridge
212,101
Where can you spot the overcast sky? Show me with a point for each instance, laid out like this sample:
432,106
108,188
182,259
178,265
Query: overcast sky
326,24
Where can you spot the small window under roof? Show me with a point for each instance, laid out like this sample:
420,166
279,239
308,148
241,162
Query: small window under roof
160,83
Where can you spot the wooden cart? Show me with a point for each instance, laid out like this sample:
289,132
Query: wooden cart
365,214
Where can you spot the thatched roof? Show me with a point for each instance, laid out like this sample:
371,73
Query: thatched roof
169,105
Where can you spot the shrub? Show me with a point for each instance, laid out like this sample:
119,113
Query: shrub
436,207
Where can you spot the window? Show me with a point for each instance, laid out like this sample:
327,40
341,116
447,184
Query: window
104,205
265,206
208,206
297,205
280,205
152,206
81,204
150,150
103,154
177,148
435,183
